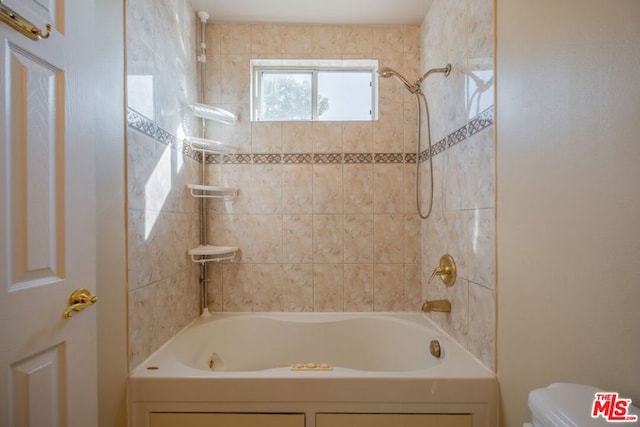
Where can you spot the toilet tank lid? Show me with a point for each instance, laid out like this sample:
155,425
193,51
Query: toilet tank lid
564,404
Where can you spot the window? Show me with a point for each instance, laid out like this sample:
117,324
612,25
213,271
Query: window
317,90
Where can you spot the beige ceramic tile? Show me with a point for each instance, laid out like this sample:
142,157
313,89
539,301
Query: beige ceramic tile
214,287
387,39
267,242
358,238
235,74
358,188
326,40
388,131
357,39
235,38
296,39
357,137
237,230
142,309
410,203
410,127
388,194
267,287
214,38
388,293
267,189
358,287
297,189
141,163
480,253
266,137
328,238
266,38
297,137
297,238
327,188
328,287
470,173
480,15
412,239
388,248
482,324
412,287
297,287
458,320
237,287
327,137
233,176
411,38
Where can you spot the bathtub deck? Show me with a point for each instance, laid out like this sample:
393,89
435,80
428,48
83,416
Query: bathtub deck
461,385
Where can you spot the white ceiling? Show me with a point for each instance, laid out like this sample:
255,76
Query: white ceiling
316,11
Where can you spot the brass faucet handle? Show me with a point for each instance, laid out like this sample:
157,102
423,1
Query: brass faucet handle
446,270
438,271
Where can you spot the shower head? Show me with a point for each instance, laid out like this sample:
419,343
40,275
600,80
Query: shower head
387,72
414,88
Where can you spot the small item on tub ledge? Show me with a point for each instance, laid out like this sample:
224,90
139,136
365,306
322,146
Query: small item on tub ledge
311,367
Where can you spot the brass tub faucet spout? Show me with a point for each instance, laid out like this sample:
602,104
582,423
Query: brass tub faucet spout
438,306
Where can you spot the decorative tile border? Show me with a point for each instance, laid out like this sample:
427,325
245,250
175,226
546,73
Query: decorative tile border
305,158
358,157
146,126
478,123
388,158
142,124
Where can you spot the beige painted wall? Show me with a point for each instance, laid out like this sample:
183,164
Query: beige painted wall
568,229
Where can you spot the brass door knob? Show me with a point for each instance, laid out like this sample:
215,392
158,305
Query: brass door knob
79,300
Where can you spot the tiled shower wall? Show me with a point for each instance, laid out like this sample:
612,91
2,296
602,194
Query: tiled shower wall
325,219
460,32
163,219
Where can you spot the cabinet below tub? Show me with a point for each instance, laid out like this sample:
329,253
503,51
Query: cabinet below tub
225,420
298,420
393,420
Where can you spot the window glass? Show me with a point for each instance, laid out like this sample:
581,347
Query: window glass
344,95
286,96
310,90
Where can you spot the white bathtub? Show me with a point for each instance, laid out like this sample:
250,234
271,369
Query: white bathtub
268,363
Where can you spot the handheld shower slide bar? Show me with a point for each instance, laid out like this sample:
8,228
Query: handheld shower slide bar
415,89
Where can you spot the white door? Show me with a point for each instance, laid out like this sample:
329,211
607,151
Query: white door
47,217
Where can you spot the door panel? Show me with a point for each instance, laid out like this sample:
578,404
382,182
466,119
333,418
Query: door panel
36,170
37,386
47,218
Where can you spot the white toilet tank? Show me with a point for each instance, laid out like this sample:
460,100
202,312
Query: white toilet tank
571,405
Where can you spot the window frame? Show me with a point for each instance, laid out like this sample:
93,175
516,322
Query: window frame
313,67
